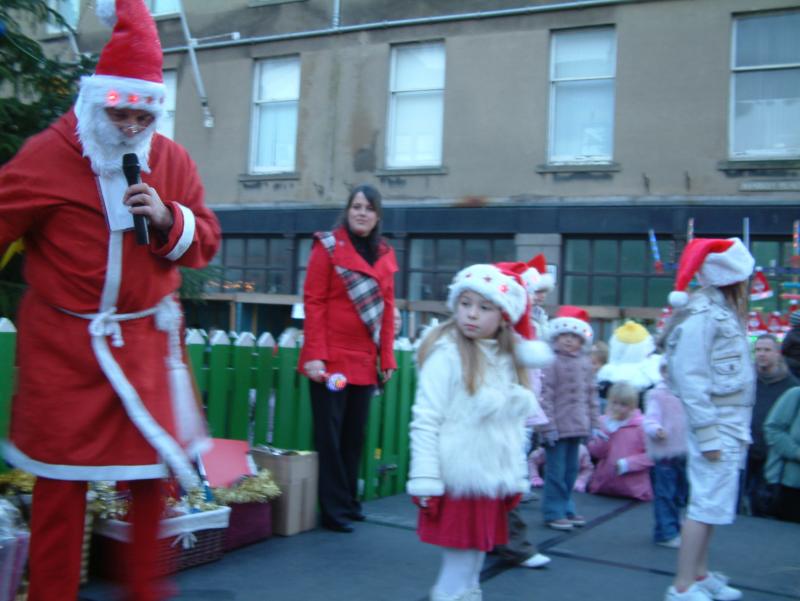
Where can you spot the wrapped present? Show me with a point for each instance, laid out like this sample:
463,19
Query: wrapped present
14,540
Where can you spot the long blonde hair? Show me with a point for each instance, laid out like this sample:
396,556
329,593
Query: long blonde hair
473,364
736,297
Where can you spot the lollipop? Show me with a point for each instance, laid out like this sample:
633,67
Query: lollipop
335,382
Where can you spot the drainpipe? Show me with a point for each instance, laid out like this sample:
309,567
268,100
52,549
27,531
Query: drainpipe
208,117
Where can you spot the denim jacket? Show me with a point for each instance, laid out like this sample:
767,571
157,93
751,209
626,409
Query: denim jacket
710,368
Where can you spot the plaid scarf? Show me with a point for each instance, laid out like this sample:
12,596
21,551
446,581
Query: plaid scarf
362,289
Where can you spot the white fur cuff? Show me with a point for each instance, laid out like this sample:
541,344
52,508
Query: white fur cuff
425,487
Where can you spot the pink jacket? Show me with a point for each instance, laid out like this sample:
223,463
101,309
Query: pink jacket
628,443
585,468
664,410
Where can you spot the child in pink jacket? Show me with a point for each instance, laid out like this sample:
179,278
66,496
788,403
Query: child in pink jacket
585,468
665,426
623,468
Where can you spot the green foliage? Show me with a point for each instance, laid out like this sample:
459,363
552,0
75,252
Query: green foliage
194,281
34,89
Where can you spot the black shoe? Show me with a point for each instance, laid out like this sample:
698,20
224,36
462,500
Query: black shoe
337,526
357,516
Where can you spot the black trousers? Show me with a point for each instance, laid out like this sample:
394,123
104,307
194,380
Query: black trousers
340,420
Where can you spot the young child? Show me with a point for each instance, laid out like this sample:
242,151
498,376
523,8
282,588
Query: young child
569,399
665,426
585,468
467,432
623,464
711,372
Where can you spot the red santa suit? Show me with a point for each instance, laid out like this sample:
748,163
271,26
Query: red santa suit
68,422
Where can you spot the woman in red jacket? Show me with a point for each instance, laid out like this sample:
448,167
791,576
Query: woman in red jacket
349,329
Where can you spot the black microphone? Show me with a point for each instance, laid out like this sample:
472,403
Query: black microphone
130,167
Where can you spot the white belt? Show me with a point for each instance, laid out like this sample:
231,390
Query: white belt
168,319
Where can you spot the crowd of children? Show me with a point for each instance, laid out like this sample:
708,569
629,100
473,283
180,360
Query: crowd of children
482,382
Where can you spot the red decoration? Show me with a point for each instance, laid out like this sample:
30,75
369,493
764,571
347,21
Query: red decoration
760,288
755,323
112,98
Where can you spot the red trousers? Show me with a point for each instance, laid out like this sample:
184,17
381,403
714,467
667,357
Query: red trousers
57,521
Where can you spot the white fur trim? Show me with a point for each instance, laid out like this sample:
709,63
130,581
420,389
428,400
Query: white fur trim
570,325
546,282
81,472
425,487
150,96
722,269
492,284
187,235
533,353
106,11
678,298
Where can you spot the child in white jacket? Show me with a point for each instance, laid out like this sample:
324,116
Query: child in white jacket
467,432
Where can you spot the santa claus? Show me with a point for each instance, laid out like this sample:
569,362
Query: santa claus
103,392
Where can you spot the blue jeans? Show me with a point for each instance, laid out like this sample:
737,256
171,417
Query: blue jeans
561,470
670,489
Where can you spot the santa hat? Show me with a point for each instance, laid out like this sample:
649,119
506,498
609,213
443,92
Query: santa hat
571,320
128,74
715,261
501,285
535,277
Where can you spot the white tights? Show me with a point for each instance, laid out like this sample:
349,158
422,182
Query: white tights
460,572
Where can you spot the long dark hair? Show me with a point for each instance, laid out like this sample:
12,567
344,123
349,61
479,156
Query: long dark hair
374,198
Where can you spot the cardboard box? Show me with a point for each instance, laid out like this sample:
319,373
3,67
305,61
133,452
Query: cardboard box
296,475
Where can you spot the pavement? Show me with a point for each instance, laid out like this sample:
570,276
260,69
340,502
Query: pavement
611,559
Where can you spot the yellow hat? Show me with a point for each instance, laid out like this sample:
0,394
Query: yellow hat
631,333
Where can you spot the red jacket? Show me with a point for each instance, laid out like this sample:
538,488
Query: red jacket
333,331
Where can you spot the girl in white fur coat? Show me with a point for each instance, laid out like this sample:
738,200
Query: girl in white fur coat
467,433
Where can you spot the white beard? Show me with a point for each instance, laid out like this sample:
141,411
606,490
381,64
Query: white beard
104,144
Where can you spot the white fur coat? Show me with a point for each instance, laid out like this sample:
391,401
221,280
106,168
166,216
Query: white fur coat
468,445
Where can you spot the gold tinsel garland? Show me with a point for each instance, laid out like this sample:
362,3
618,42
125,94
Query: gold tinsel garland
106,502
260,488
17,481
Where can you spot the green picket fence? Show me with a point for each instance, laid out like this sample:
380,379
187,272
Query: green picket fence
250,390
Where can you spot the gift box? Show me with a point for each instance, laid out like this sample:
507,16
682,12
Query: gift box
249,523
296,474
13,557
184,541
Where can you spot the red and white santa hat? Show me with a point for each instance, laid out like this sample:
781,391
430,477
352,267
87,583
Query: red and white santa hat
715,261
535,277
502,285
571,320
129,72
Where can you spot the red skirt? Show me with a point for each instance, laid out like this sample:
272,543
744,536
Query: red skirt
464,523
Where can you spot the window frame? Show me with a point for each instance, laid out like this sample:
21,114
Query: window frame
165,13
170,103
615,271
256,115
390,161
55,29
552,159
750,155
434,268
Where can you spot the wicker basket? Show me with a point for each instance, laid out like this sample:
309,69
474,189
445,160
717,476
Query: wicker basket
186,541
250,523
